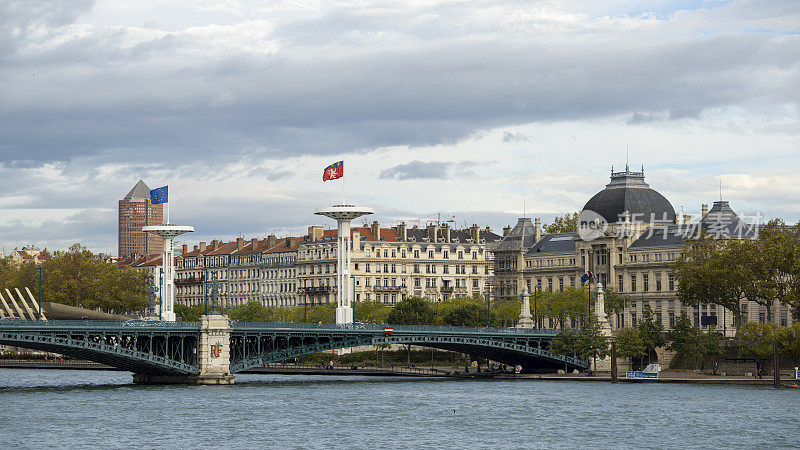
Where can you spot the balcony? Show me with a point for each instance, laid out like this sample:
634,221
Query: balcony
447,289
190,280
387,288
316,289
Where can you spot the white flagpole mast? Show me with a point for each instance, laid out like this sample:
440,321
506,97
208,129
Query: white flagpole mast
343,180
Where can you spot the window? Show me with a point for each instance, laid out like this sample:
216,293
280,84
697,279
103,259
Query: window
645,282
430,254
658,282
367,252
416,268
633,283
417,282
445,255
671,282
460,255
560,284
416,253
550,284
621,285
385,253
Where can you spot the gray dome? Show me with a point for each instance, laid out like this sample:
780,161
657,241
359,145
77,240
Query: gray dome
627,191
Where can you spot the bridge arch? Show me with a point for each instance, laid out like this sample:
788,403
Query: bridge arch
254,346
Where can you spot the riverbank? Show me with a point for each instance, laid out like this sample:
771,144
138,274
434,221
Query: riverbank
673,377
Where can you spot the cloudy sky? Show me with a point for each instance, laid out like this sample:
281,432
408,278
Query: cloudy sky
468,108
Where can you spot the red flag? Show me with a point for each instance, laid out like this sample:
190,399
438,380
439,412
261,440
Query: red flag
334,171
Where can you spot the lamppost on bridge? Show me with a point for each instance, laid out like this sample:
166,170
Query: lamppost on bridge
151,289
39,317
488,304
536,290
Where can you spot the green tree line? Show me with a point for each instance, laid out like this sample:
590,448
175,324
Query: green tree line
77,277
764,270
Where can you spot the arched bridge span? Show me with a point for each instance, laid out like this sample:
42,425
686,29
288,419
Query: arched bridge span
255,344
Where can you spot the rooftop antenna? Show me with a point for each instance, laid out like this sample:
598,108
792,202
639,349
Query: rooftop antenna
523,207
627,157
720,189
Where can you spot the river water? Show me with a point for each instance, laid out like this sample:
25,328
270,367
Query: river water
66,409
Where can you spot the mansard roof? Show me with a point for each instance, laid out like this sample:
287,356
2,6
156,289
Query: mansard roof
522,236
554,243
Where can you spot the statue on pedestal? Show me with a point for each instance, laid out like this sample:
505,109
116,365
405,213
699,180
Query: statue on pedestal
525,317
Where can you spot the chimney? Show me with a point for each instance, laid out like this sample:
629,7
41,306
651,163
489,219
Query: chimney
506,230
271,241
686,218
376,230
703,210
487,230
402,230
195,248
202,246
214,244
290,241
446,232
185,249
356,239
475,232
537,224
433,232
315,232
239,243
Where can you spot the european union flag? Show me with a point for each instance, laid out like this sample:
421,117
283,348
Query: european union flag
159,195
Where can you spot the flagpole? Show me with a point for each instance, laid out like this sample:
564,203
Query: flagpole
343,180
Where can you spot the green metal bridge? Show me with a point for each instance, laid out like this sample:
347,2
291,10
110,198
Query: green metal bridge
173,348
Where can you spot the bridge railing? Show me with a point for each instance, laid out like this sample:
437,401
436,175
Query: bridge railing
77,324
381,328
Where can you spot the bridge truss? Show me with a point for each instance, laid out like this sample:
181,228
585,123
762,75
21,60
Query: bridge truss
255,344
148,348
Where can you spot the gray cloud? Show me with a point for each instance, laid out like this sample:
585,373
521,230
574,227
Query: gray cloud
515,138
417,170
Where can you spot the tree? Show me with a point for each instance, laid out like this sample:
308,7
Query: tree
189,313
591,342
684,338
630,344
756,339
571,303
709,272
412,311
789,342
650,333
615,302
566,342
252,311
565,224
370,311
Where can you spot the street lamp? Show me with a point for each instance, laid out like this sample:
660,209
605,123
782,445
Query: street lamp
39,317
536,290
488,304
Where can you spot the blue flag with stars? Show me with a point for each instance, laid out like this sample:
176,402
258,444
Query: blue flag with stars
159,195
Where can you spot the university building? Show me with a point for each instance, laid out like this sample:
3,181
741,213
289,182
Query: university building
636,237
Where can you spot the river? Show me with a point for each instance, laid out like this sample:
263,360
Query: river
65,409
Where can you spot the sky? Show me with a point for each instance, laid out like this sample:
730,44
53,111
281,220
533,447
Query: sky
482,110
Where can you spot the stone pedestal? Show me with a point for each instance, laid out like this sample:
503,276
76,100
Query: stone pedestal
602,364
214,353
525,318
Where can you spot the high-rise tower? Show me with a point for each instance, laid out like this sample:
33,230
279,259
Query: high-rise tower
135,212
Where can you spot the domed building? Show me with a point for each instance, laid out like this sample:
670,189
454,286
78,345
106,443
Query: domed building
631,255
627,193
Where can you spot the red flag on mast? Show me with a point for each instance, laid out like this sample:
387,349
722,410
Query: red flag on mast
334,171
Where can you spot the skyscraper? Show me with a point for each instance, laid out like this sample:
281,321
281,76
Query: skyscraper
135,212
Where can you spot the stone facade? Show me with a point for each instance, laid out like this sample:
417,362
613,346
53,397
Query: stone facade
389,264
631,256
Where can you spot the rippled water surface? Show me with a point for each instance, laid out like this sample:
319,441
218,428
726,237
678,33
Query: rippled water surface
51,408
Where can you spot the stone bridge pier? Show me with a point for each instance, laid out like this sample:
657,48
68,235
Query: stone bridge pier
214,357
